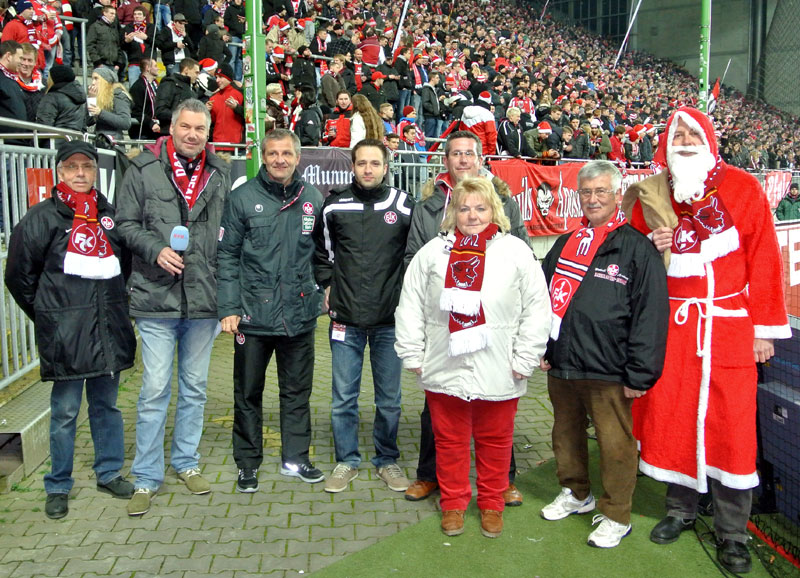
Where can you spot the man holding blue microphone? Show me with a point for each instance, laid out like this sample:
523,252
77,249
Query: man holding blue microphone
169,210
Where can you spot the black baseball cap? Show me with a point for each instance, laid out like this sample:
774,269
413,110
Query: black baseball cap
74,147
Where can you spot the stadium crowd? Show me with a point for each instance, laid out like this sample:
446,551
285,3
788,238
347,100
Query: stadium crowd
528,86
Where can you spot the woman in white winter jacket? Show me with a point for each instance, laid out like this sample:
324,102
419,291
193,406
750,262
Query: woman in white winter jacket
472,323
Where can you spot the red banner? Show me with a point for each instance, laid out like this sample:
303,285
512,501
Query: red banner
40,183
776,185
547,195
789,241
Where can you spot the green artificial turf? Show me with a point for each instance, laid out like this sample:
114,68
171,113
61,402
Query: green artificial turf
531,547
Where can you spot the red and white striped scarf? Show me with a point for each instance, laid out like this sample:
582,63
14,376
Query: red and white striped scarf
573,264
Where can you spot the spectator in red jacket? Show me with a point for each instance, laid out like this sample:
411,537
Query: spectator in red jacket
23,30
227,111
617,153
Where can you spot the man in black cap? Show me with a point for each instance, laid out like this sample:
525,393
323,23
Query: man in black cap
64,271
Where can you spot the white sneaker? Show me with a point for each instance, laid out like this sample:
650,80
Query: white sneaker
566,504
608,534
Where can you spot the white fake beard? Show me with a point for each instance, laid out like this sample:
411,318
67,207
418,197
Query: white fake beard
689,173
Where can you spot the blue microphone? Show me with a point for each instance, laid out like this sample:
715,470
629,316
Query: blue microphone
179,242
179,239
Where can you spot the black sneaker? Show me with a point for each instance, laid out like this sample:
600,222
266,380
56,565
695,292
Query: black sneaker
306,472
248,480
119,487
56,506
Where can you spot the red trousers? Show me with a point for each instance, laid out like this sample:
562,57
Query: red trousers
491,425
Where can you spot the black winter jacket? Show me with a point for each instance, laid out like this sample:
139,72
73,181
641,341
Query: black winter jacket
190,9
360,247
231,20
63,106
266,254
173,90
149,206
309,126
303,72
166,44
133,49
214,47
82,325
103,44
615,328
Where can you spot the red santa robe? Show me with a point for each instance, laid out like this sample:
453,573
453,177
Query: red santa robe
699,420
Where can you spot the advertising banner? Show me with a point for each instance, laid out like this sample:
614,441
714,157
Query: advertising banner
776,185
547,195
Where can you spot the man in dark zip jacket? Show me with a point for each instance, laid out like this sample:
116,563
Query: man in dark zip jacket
64,270
607,345
268,299
359,262
177,182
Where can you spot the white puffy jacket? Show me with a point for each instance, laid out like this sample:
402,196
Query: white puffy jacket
517,308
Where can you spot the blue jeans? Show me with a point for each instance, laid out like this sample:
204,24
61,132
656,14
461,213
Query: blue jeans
236,58
347,359
166,16
194,338
405,100
105,421
66,47
134,72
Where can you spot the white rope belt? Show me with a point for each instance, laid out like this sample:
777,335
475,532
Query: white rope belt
682,313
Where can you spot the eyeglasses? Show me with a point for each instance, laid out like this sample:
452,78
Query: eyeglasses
75,167
458,154
599,193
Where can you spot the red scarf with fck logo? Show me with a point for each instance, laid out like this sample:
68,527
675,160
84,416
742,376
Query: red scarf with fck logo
189,187
573,264
89,254
462,292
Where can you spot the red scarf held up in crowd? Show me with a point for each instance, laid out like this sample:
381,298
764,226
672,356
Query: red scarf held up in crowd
573,264
189,187
462,292
89,254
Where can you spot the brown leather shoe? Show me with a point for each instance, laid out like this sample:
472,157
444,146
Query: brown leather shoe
512,496
491,523
453,522
420,490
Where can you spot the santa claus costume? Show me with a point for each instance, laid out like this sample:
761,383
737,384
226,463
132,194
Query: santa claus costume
726,289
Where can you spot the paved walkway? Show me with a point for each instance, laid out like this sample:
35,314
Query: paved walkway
287,528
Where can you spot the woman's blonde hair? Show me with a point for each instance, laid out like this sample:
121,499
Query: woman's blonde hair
483,189
105,92
372,122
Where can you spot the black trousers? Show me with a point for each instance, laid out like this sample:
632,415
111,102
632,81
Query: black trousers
295,358
426,467
731,508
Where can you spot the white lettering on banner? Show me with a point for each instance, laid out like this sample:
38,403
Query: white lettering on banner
776,184
568,203
314,175
791,239
525,200
107,183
